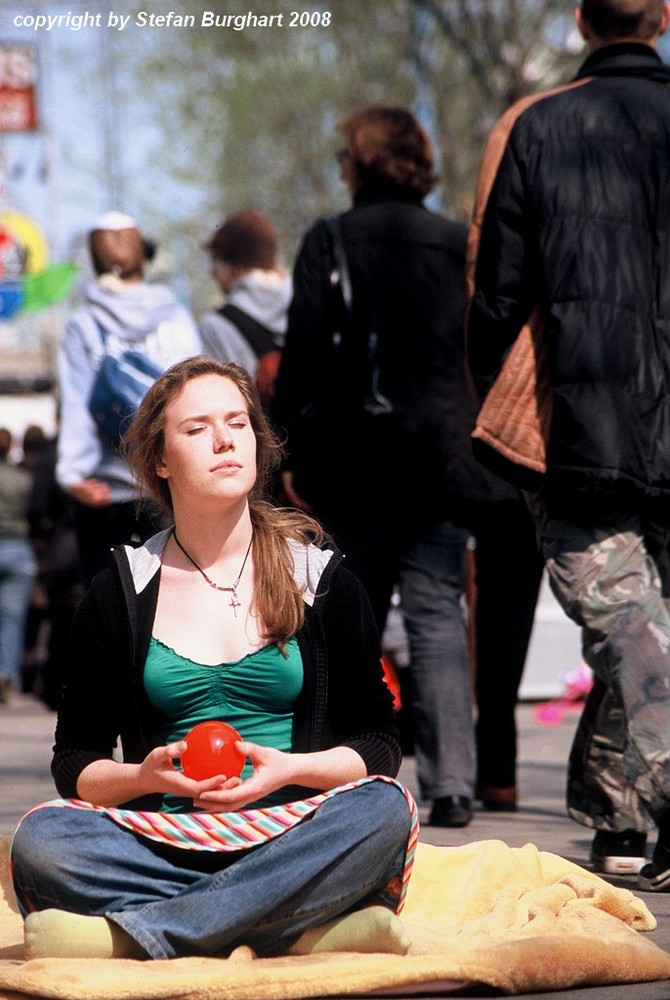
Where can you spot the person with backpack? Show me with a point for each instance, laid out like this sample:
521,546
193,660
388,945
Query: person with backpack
122,312
249,328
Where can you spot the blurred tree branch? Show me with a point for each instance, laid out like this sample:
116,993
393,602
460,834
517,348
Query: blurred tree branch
248,117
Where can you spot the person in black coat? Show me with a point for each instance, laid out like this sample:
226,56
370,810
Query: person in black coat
372,397
571,253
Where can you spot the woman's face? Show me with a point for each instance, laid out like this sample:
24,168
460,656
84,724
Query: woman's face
209,452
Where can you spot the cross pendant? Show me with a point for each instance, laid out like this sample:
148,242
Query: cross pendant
234,603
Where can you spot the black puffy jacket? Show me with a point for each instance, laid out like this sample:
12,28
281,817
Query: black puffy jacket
578,220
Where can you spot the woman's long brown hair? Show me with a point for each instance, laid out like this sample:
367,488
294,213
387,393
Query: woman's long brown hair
278,601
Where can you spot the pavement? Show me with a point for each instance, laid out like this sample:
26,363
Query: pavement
26,738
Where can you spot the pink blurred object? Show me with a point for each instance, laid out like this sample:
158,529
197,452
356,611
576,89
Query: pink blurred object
578,683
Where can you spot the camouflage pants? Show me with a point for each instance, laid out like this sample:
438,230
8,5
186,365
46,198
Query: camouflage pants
608,564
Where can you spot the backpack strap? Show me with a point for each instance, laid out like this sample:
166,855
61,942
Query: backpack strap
375,402
101,331
259,337
341,264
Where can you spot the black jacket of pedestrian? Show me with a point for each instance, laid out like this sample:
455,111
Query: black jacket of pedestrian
408,287
578,222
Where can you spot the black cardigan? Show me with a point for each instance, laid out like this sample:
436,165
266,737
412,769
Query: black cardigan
344,700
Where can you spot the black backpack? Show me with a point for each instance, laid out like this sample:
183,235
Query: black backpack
261,341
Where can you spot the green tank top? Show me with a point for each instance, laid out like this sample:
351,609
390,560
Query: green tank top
256,695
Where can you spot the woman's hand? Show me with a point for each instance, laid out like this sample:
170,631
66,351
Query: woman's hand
91,493
108,782
272,770
158,773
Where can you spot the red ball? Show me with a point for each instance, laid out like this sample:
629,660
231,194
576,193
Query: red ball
211,751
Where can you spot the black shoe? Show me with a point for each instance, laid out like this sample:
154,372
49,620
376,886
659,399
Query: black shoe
450,810
618,853
655,877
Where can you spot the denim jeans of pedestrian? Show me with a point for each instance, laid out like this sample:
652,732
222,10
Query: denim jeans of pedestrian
428,565
431,580
17,576
174,902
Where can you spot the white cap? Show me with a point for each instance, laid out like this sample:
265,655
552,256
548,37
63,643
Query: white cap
112,221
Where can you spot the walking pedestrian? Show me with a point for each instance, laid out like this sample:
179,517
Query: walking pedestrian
569,344
18,567
122,311
250,326
372,397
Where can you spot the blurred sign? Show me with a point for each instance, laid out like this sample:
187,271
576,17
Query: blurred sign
18,88
27,281
23,245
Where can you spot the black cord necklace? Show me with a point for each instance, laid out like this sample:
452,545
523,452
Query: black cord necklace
232,590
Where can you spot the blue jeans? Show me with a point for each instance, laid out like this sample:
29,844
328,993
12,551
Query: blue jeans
174,902
430,578
17,576
428,565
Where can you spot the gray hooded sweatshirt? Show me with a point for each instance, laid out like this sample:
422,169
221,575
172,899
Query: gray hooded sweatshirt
138,315
263,295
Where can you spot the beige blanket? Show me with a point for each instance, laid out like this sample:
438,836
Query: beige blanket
517,919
